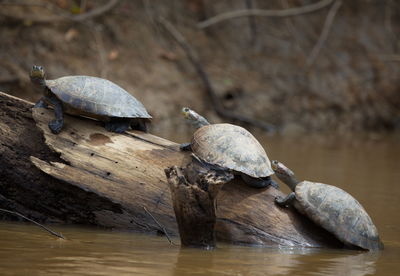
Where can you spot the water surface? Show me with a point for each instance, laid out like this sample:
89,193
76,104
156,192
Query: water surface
369,169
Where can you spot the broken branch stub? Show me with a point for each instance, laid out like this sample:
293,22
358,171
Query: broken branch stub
193,197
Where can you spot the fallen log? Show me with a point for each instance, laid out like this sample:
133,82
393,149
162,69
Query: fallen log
86,175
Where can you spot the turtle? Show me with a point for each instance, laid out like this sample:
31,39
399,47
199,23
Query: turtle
331,208
89,97
230,147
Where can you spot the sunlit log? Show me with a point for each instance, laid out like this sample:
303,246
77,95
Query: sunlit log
86,175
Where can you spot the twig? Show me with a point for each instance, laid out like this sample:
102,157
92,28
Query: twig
291,28
270,13
160,225
38,224
101,52
324,34
61,14
95,12
252,24
395,58
192,56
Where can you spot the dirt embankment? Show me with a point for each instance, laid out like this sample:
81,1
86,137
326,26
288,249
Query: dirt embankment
262,67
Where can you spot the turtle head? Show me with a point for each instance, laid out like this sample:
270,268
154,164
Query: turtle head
194,118
285,174
38,76
37,72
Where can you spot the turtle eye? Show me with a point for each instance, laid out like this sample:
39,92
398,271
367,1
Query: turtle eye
37,68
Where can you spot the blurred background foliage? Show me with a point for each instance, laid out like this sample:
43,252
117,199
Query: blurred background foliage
332,69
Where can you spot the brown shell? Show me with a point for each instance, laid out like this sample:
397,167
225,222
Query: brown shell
231,147
339,213
97,96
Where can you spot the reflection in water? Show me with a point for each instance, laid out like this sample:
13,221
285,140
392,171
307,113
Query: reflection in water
233,261
338,263
368,171
26,250
356,265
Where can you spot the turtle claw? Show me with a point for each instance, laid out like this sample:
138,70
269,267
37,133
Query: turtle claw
287,201
280,201
274,184
185,147
55,126
40,104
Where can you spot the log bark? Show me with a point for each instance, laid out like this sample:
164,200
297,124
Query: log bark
86,175
194,199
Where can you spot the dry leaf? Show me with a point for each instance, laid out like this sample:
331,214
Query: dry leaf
71,34
167,55
113,54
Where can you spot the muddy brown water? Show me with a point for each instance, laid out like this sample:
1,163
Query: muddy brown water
368,168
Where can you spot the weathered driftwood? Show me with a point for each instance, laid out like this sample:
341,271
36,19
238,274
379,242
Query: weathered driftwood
86,175
194,190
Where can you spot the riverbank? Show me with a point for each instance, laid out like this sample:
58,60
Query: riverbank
259,66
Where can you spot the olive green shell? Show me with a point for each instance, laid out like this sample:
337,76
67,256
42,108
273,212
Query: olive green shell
231,147
97,96
339,213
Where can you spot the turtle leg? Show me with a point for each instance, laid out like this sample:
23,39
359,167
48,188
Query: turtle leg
57,124
287,201
41,103
118,125
185,147
259,182
139,124
274,184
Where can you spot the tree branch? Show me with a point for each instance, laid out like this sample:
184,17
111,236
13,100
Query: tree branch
38,224
95,12
160,225
193,58
252,24
324,34
61,14
270,13
394,57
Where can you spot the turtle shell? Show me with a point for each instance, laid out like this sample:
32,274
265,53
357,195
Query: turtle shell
339,213
231,147
97,96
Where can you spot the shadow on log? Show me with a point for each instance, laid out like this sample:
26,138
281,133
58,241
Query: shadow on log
86,175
